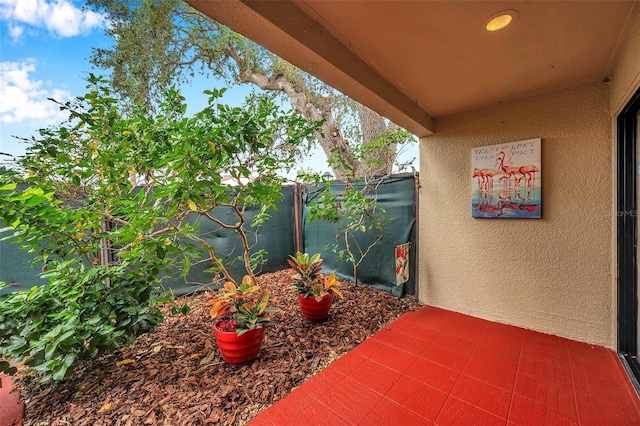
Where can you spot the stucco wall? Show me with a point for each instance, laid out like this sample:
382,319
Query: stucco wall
552,274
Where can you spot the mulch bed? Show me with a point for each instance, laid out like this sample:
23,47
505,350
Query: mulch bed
177,377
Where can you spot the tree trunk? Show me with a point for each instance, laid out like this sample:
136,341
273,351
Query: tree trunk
378,161
372,123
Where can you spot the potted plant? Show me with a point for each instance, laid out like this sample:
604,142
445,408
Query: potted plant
315,294
241,313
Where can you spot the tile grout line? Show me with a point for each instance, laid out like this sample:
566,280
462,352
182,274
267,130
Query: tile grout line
344,377
506,420
431,343
479,408
317,399
513,387
369,358
454,384
573,384
403,374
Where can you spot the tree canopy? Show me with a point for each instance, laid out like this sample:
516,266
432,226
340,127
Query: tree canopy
160,42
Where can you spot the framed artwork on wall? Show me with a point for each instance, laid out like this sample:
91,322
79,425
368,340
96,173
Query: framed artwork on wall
505,180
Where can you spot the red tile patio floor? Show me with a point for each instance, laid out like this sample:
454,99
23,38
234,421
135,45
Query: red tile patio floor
11,410
439,367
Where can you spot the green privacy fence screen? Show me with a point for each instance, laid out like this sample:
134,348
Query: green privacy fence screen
278,237
15,267
378,269
275,237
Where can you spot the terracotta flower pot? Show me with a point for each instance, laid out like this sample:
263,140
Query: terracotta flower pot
239,349
315,310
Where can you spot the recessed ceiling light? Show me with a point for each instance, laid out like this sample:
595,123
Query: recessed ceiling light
500,20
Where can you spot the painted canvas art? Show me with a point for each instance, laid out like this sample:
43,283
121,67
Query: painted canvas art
402,263
506,180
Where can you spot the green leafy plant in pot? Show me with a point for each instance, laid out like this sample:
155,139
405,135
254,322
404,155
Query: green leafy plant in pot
315,293
241,312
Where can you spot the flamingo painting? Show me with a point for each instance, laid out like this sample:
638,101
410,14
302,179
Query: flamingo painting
514,165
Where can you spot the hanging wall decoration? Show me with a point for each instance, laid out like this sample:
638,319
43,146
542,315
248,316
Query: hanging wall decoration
402,263
506,181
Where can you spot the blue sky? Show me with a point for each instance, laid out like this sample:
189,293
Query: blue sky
45,47
41,55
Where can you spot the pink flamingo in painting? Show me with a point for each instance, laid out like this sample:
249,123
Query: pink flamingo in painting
480,176
528,172
507,173
482,184
489,174
485,183
487,177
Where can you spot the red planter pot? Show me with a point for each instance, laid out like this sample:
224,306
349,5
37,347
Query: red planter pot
315,310
239,349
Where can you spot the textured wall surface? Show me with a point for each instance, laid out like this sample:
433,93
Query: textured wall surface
552,274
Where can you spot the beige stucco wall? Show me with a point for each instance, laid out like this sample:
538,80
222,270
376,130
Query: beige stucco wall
552,274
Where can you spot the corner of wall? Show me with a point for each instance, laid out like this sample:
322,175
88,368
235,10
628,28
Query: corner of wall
551,274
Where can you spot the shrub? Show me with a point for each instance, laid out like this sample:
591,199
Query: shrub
135,184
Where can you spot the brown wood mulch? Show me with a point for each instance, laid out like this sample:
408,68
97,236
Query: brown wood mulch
177,377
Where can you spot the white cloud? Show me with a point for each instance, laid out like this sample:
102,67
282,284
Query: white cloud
15,31
24,99
61,17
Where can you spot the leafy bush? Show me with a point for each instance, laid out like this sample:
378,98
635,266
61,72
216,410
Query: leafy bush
109,202
76,316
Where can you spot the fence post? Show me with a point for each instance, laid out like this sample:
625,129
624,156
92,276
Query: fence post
298,227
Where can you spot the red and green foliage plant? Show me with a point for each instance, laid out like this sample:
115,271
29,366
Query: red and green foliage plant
241,308
306,279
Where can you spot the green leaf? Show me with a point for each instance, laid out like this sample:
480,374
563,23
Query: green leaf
66,335
35,200
69,360
8,187
60,373
160,252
